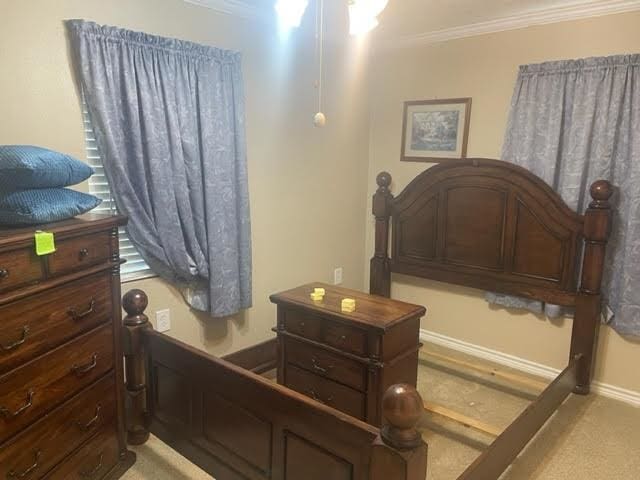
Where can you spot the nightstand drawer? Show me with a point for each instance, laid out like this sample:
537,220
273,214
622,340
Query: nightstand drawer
324,330
326,364
37,324
92,461
38,387
303,324
80,252
326,391
19,267
32,453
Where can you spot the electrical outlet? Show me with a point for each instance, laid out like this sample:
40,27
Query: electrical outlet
163,320
337,276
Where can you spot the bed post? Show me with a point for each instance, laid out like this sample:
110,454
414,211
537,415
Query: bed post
586,323
134,303
380,274
399,452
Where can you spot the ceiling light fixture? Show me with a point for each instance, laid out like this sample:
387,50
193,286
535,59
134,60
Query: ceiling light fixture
290,13
362,14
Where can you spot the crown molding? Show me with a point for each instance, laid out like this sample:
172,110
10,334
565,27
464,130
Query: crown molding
236,8
576,11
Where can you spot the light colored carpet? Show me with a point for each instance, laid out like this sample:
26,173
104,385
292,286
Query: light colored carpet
589,437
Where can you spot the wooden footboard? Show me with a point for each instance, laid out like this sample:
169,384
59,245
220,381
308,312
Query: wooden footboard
236,425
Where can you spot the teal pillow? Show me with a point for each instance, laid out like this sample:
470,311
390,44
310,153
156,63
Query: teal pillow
30,207
27,166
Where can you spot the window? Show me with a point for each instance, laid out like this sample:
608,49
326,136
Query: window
135,267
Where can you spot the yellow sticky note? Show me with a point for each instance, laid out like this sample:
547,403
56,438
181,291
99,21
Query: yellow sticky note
319,291
45,243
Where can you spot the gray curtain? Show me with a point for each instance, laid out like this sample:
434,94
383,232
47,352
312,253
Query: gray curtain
571,123
169,122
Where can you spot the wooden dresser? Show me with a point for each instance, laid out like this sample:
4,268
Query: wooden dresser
61,377
346,360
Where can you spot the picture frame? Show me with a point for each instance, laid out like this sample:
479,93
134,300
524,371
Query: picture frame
435,130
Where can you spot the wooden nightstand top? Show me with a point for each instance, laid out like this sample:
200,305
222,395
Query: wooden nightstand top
371,310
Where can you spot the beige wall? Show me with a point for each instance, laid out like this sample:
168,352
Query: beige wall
307,190
485,68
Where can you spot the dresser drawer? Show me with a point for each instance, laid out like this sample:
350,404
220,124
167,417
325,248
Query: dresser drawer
324,330
37,324
39,386
80,252
19,267
92,461
32,453
326,391
326,364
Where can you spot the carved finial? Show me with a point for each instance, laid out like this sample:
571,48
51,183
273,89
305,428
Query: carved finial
402,408
383,180
134,303
601,191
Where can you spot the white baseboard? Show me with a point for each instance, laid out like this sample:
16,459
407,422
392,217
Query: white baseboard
544,371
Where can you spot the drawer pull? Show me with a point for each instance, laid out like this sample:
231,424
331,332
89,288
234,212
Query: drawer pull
17,343
94,470
4,273
315,396
28,471
7,414
91,423
84,253
320,369
82,369
73,313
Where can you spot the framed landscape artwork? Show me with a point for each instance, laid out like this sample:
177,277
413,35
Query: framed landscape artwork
435,130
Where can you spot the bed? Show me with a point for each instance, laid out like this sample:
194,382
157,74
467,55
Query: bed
479,223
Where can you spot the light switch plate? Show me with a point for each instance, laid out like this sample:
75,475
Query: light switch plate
337,276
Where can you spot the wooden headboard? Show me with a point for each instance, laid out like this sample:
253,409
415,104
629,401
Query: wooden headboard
495,226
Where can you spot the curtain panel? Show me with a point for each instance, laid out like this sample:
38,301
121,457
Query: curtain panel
571,123
169,122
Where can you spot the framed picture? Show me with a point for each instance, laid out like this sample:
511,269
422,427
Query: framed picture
435,130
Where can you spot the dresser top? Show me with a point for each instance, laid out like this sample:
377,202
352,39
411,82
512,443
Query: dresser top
83,223
371,310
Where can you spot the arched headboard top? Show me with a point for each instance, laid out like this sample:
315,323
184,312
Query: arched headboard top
505,172
482,223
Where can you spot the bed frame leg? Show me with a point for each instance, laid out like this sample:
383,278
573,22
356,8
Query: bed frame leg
399,452
584,336
134,303
380,273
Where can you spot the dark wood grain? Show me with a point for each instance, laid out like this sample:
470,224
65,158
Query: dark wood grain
52,378
506,447
58,435
19,267
332,357
482,223
53,317
93,460
258,358
58,338
80,252
274,437
495,226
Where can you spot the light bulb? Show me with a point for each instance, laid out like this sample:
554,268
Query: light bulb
290,13
363,13
319,120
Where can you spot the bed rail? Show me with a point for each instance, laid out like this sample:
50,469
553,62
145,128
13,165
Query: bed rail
236,425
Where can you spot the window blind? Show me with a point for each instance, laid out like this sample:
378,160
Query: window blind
135,267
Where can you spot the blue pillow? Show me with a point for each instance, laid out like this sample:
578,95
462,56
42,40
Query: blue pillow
29,207
26,166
